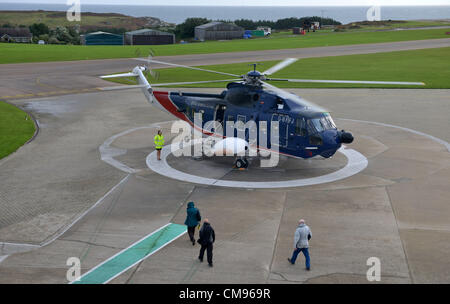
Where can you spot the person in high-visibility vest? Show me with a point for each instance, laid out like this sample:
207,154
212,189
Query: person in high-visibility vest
159,143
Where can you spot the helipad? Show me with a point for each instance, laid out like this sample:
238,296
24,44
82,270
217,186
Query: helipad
356,162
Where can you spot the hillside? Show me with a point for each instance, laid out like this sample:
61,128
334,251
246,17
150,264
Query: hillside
392,24
89,21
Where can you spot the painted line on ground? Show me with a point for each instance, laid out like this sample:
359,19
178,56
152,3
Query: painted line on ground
29,247
438,140
132,255
356,163
86,212
107,153
51,93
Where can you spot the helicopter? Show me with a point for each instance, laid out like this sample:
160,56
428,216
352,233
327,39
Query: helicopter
303,129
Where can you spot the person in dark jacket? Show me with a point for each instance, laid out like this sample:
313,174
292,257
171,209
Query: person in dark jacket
192,220
207,238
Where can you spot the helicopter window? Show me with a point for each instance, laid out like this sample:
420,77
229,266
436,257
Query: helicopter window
327,122
230,118
314,126
330,121
320,124
280,103
300,127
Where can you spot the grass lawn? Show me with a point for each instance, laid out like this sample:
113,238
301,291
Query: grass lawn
16,128
430,66
22,53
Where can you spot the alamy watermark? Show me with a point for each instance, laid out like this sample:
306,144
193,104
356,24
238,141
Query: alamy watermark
74,11
74,272
374,13
374,271
239,139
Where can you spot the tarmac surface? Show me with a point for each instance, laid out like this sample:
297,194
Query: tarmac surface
63,196
33,80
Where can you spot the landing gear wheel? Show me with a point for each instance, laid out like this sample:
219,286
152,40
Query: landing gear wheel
241,163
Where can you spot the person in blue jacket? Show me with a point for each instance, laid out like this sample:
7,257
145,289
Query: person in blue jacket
192,220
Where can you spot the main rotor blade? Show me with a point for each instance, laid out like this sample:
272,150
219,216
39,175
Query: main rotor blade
347,81
286,95
192,68
192,82
280,66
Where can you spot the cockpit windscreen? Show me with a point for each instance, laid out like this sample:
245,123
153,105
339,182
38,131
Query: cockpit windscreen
319,124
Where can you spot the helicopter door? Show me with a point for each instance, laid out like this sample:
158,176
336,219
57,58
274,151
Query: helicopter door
220,113
283,129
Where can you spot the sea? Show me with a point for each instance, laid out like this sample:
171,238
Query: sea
177,14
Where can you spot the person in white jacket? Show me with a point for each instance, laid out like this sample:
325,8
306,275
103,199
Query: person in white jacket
301,243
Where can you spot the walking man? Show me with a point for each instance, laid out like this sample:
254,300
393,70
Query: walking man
301,244
207,238
192,220
159,143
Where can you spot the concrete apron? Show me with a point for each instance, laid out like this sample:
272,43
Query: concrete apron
393,210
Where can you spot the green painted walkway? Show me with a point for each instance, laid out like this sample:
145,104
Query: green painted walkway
132,255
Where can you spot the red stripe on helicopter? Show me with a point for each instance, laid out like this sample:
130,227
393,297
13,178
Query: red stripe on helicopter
164,100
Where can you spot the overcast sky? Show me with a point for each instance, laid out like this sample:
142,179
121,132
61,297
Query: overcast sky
250,2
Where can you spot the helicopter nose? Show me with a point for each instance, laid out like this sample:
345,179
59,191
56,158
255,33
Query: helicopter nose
331,143
345,137
330,138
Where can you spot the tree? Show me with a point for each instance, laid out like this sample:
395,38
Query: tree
73,32
286,23
66,35
38,29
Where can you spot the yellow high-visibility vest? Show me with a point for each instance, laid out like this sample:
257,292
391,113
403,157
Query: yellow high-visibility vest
159,141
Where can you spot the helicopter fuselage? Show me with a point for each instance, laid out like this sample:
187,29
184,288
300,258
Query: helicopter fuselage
302,132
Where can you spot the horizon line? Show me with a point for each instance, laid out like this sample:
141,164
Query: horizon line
242,5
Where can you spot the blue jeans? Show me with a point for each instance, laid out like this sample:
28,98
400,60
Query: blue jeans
305,253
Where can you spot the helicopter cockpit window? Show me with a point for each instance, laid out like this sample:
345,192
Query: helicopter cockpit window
320,124
330,121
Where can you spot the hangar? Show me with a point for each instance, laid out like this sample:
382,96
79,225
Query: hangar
218,31
101,38
148,37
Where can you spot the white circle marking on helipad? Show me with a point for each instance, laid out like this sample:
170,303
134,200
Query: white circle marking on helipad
355,164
